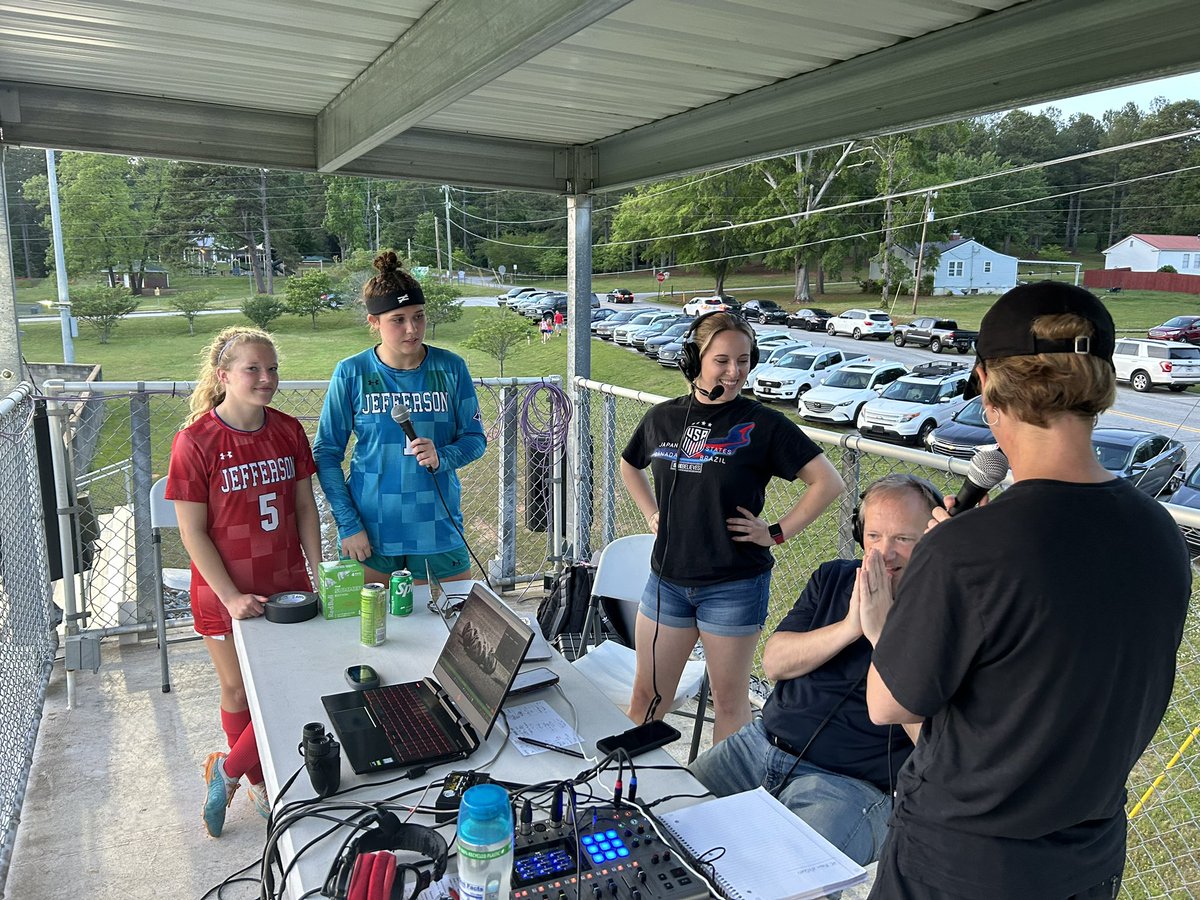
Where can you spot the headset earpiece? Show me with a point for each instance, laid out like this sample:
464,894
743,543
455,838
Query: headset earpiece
689,353
367,869
924,485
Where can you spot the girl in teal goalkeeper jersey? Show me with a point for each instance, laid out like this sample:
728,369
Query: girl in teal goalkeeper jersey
388,512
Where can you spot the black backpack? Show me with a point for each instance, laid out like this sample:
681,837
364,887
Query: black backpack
564,610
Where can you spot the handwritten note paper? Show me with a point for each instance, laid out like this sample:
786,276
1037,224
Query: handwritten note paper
539,721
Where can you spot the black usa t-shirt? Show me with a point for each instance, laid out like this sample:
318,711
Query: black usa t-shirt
705,468
1038,635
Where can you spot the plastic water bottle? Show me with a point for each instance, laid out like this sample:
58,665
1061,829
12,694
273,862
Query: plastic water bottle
485,843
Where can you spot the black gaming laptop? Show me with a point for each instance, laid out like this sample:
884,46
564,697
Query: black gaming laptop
446,717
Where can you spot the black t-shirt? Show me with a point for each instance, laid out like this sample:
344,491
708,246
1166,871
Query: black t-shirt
1038,635
849,744
727,452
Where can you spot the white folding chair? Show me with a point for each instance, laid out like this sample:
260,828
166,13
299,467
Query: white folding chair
162,515
621,576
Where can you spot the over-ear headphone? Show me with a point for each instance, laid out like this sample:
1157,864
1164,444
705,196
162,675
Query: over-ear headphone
928,491
366,868
689,354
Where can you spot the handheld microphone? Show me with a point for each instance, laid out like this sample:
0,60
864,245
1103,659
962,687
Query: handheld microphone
987,469
402,417
715,394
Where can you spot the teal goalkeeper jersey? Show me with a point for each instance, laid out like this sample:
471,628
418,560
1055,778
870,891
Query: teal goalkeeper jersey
388,493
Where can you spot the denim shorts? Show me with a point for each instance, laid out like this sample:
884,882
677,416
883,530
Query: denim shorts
443,565
727,608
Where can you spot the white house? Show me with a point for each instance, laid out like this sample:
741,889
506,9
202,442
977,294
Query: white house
963,266
1150,252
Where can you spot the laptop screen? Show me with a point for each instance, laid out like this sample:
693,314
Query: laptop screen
481,657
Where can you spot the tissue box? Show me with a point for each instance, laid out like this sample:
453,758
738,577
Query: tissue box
340,586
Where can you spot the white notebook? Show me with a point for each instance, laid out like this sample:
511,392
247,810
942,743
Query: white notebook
769,853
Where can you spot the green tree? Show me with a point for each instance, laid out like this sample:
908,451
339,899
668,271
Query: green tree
263,310
102,307
496,333
192,303
304,294
345,203
110,209
442,304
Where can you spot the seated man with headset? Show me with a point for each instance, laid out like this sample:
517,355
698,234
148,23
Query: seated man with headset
814,746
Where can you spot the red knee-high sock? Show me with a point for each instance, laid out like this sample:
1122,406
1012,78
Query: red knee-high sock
243,746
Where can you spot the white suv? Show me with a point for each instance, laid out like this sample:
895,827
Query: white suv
861,323
911,407
799,371
1144,362
843,394
768,356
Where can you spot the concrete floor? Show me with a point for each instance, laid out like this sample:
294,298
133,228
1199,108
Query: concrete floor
113,805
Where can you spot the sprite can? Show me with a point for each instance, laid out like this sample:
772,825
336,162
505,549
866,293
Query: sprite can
373,617
400,596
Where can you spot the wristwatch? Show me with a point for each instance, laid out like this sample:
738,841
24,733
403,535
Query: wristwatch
776,532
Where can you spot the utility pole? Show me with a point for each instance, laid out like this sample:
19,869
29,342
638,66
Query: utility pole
377,226
367,216
268,262
925,220
60,262
449,255
409,257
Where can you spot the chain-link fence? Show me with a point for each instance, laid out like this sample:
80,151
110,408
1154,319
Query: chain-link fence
119,438
27,638
1164,806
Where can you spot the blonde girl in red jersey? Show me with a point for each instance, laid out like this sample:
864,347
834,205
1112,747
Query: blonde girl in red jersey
241,478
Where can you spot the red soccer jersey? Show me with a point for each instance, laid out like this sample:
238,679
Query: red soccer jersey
248,479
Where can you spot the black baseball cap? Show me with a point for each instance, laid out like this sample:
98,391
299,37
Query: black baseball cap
1007,328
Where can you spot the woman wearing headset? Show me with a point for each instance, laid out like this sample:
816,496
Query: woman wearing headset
712,453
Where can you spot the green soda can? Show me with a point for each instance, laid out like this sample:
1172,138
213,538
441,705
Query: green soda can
400,596
373,621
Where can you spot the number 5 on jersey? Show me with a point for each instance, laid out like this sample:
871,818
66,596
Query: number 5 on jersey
266,509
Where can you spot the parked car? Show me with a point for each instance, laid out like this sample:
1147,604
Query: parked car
525,301
673,335
861,323
1180,328
668,354
698,306
934,334
1188,495
332,300
656,329
1153,463
963,434
769,356
771,339
552,304
620,295
840,399
810,318
623,334
766,311
512,294
604,329
599,315
913,406
1145,363
800,371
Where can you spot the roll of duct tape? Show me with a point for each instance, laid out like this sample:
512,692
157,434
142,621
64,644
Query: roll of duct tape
290,607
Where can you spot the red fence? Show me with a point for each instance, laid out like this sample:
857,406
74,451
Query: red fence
1141,281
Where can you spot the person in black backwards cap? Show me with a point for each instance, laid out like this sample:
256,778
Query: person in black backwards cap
1047,622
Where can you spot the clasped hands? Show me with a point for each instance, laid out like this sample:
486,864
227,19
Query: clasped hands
871,599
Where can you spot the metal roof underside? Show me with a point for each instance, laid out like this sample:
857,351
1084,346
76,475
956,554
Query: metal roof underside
548,95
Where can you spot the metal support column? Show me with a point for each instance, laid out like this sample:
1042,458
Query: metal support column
612,482
143,536
10,334
579,362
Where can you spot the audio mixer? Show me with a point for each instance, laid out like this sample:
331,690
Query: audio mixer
617,856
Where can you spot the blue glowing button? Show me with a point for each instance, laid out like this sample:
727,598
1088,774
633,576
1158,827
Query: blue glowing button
588,839
621,851
610,834
610,854
605,845
597,857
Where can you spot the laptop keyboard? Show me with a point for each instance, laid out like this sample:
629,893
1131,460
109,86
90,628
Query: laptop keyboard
410,727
